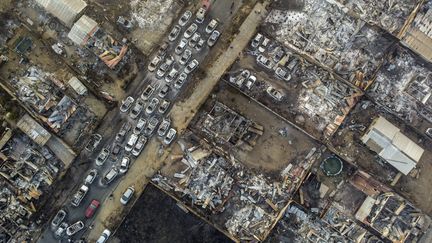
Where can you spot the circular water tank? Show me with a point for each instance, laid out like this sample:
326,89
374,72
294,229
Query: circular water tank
332,166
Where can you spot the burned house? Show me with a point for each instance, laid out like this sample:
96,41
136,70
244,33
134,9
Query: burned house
391,215
229,128
419,35
324,32
403,87
44,94
242,202
391,16
27,170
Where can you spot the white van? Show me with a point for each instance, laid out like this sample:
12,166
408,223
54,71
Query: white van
131,142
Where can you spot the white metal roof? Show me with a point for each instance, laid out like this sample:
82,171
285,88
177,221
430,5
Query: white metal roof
77,86
397,149
82,30
65,10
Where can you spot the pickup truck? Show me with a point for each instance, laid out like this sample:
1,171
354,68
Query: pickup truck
79,195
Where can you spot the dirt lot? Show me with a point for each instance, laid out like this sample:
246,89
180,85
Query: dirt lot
273,151
156,218
347,142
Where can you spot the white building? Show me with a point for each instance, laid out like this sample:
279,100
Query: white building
391,145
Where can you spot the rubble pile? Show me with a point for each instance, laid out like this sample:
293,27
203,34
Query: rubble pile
148,14
250,220
45,94
323,98
227,127
343,224
297,225
109,50
403,86
26,172
326,33
36,88
389,15
396,219
248,202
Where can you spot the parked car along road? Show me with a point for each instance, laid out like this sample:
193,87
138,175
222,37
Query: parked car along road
127,195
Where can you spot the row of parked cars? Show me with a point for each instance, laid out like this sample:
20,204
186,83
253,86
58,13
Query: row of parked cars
276,59
145,110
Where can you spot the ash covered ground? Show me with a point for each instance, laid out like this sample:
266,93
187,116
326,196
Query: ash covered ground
155,217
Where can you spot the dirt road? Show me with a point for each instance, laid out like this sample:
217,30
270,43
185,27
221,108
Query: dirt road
112,212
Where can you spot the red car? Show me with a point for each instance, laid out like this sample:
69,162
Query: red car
91,209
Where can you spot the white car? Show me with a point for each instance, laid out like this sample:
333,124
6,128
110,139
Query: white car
190,31
104,236
102,157
174,33
250,81
61,230
126,104
429,132
136,110
131,142
191,66
264,44
163,127
181,46
213,38
127,195
110,176
185,18
152,106
200,44
200,15
283,73
170,136
151,125
163,107
90,177
180,81
185,57
257,40
154,63
171,75
194,40
139,146
211,26
140,126
264,61
124,165
274,93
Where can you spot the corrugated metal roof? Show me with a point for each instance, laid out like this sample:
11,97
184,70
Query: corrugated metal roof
397,149
35,131
77,86
409,147
385,127
65,10
82,30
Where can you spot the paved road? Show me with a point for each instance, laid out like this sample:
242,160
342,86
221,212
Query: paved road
182,113
109,128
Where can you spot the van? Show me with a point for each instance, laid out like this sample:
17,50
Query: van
131,142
